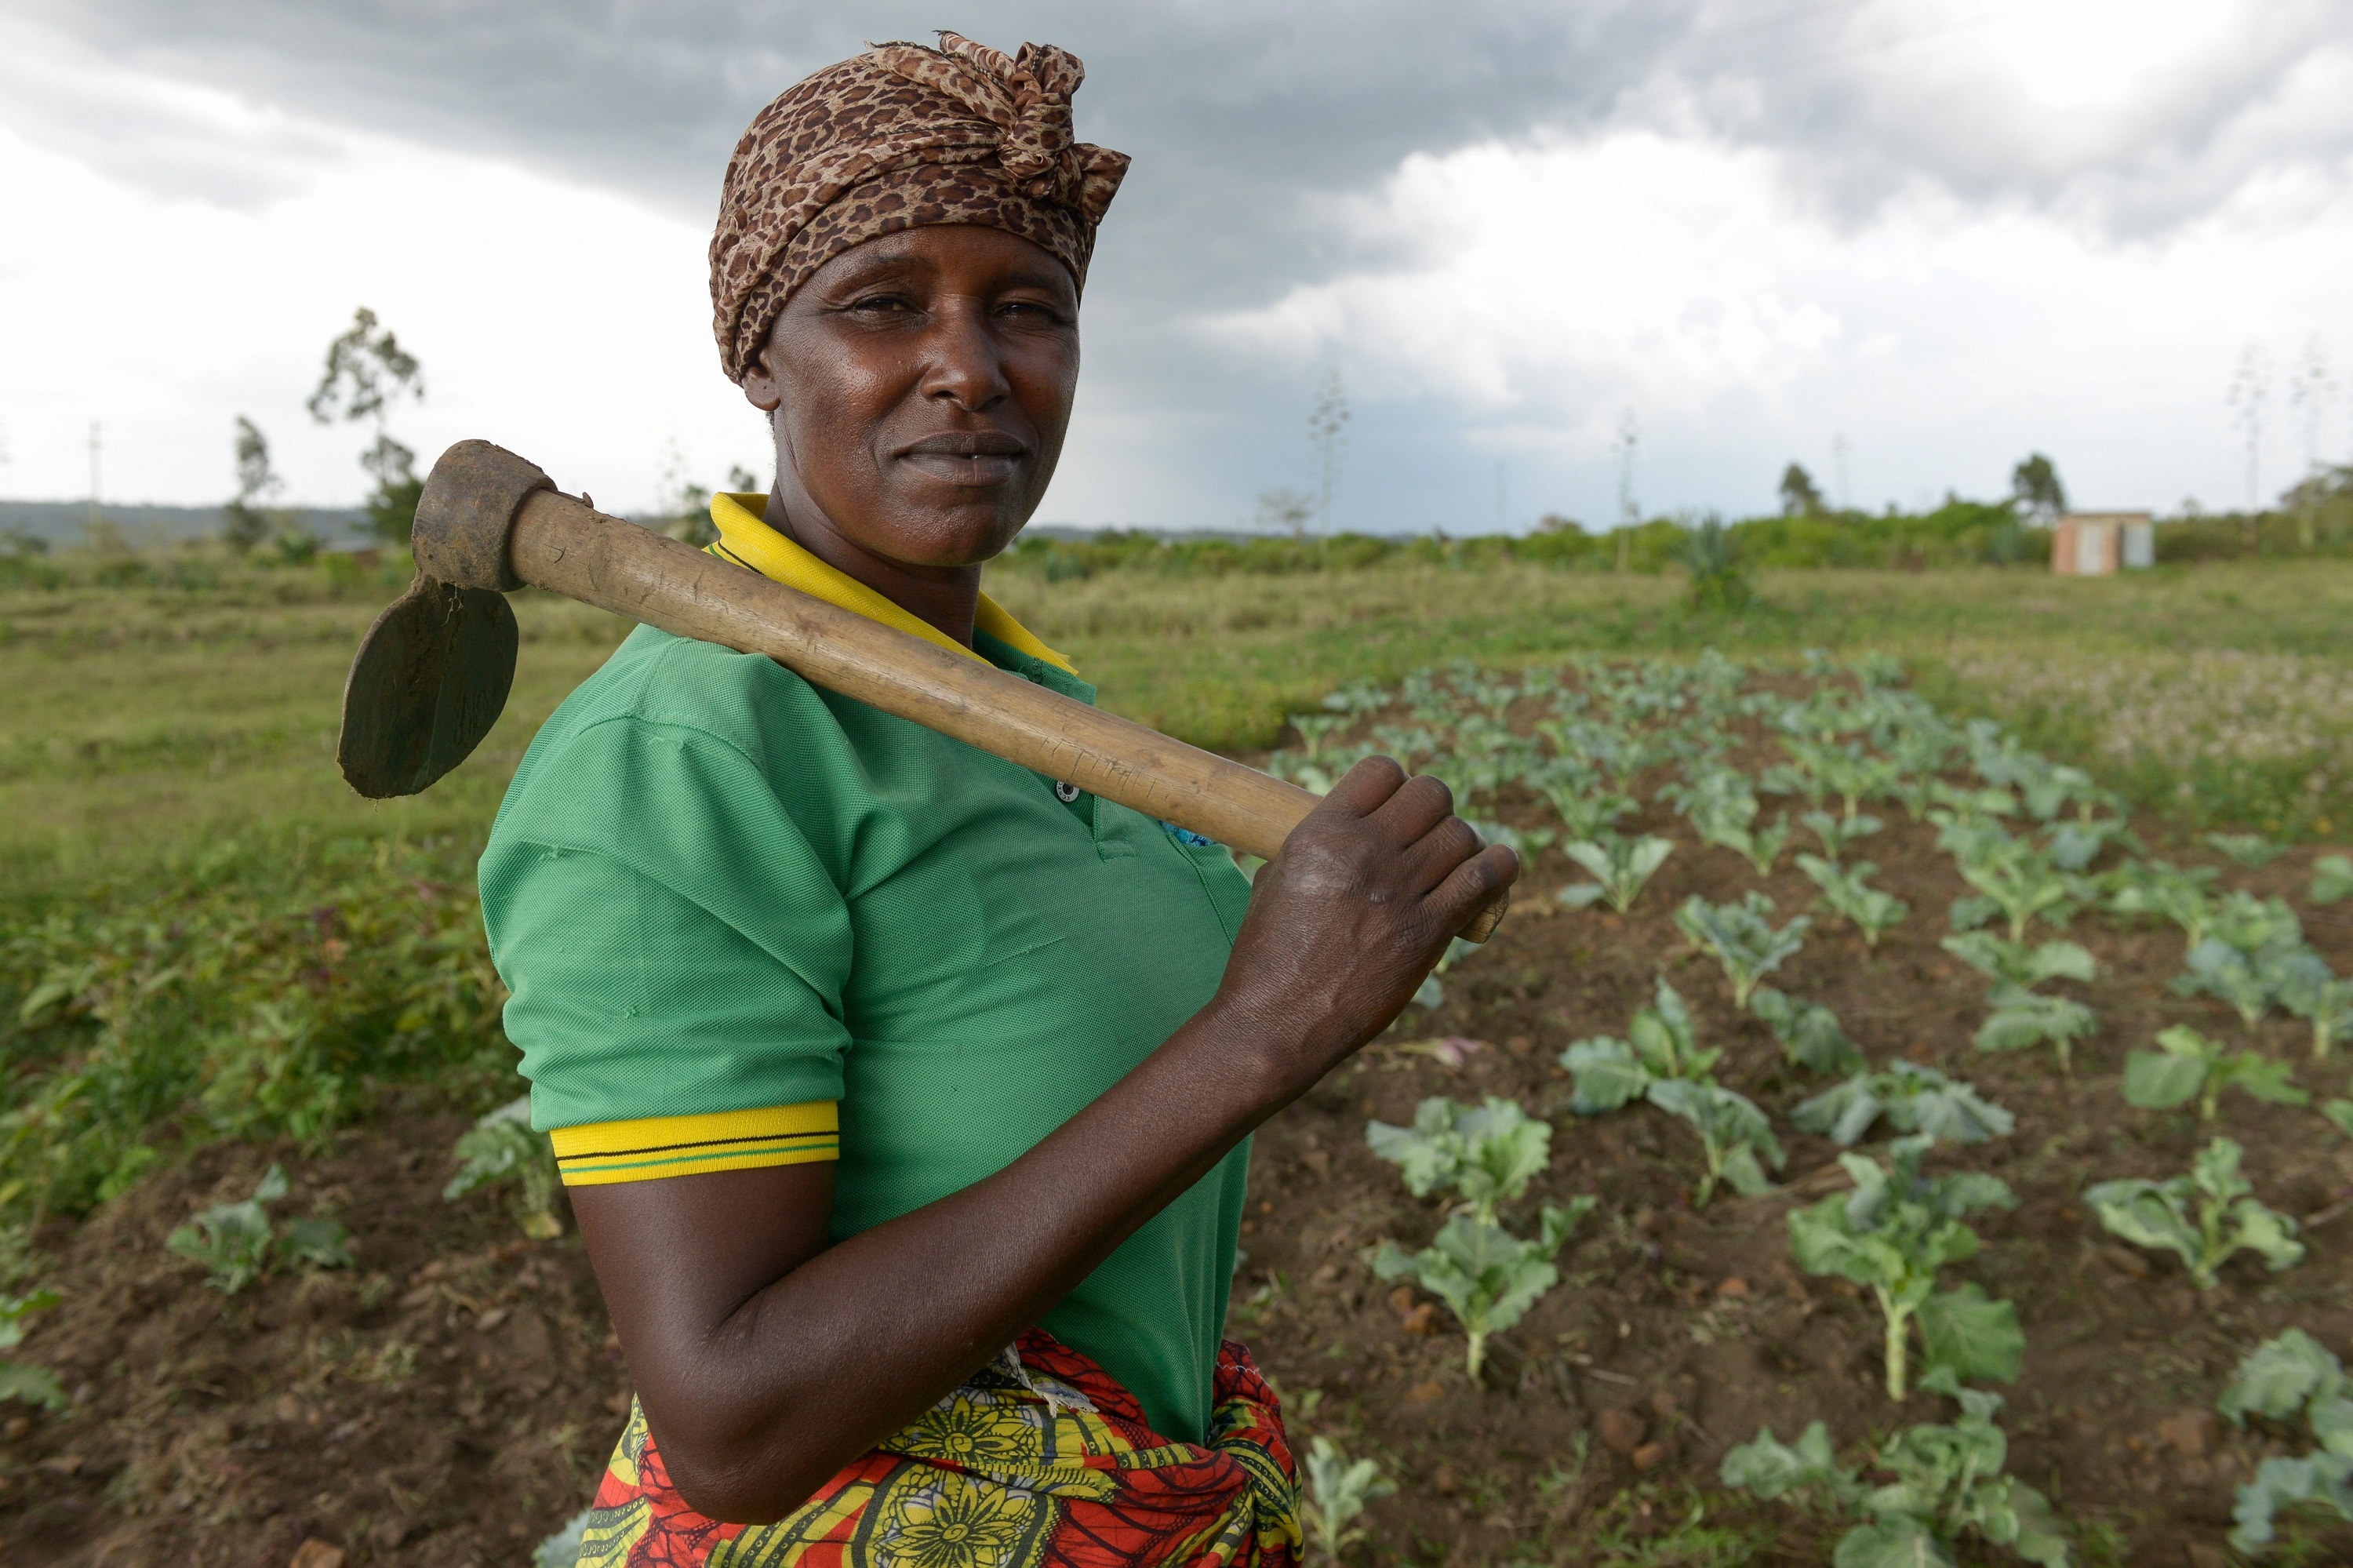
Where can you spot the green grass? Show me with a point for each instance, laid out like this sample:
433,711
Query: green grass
204,933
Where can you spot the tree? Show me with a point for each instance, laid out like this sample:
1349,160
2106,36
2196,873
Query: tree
1801,497
1326,423
2034,485
1285,512
367,371
246,524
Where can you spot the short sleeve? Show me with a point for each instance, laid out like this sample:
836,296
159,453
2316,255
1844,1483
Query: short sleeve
673,944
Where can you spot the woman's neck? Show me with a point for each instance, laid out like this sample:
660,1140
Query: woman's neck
945,596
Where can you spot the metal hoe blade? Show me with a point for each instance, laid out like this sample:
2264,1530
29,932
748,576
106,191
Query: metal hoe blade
428,684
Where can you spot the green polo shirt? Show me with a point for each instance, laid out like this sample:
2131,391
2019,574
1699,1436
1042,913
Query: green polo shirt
719,894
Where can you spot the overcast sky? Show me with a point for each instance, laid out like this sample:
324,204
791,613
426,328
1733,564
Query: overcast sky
1902,242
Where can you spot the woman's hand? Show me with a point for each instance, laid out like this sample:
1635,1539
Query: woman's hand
1345,923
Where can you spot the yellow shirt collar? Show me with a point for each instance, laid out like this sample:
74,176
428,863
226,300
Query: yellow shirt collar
745,539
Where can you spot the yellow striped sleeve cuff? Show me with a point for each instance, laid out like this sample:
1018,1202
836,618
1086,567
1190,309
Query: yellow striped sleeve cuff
657,1146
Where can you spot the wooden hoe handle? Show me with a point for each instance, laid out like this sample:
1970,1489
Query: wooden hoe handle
559,543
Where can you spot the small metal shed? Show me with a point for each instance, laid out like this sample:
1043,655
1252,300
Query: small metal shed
2100,543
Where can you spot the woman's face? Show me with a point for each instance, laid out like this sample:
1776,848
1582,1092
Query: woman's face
921,384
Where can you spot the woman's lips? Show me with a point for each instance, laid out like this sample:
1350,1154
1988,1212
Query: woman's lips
977,457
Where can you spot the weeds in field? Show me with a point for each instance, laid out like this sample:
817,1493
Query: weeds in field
1487,1153
2295,1380
1622,866
1807,1032
32,1385
1872,911
2204,1217
1335,1497
1745,942
1912,1099
2187,1065
501,1148
1947,1484
1487,1277
238,1242
1893,1233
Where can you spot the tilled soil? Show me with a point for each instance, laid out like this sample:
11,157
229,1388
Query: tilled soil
452,1398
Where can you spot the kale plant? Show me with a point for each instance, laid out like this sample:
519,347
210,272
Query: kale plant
2024,1018
2015,963
1744,941
1334,1496
2013,877
1661,1044
1893,1233
2310,989
1737,1139
1487,1276
2204,1217
2165,891
1837,832
501,1146
1807,1032
1487,1153
2293,1378
1912,1099
34,1386
2251,850
2187,1065
1623,865
238,1242
1845,889
2332,879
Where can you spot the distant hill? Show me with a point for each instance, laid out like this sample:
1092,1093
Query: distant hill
64,524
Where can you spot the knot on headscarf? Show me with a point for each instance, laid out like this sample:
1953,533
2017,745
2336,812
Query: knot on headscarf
896,138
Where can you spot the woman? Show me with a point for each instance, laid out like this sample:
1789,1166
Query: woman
903,1095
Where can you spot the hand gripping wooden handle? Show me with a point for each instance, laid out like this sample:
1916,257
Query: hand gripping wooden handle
560,543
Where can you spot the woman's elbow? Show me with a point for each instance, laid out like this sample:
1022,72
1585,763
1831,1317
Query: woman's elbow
742,1481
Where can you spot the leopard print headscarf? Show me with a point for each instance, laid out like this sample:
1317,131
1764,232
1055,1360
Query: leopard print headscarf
895,138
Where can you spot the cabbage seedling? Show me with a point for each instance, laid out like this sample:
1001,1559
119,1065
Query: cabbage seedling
2024,1018
1488,1153
2294,1378
1872,910
2021,880
1837,832
2204,1217
2332,878
2015,963
2187,1065
34,1386
1948,1482
2076,845
1807,1032
2161,888
1846,771
1722,807
1893,1232
1336,1493
1585,803
1487,1276
1744,941
2251,850
1623,865
2309,989
237,1242
1660,1045
1912,1098
501,1146
1733,1135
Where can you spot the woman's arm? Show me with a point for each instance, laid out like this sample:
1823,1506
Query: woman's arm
767,1360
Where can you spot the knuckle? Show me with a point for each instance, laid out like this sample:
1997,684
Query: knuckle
1434,789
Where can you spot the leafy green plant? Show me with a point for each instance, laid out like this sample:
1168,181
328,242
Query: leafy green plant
1871,910
501,1146
1845,768
2015,963
2291,1379
1807,1032
34,1386
1948,1483
1893,1233
2204,1217
2012,876
2185,1065
236,1242
2251,850
2340,1116
2332,879
1587,806
2159,888
1660,1045
1744,941
1837,833
1722,807
2024,1018
1623,865
1488,1152
1912,1099
2308,988
1737,1139
2075,845
1335,1497
1488,1276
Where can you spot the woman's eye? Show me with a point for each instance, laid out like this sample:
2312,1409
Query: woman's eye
880,305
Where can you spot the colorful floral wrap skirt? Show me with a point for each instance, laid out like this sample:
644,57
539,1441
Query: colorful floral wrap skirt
1041,1461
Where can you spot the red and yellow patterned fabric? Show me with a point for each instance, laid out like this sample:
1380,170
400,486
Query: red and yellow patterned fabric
1041,1461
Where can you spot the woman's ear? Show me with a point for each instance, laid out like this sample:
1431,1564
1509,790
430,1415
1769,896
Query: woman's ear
762,388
